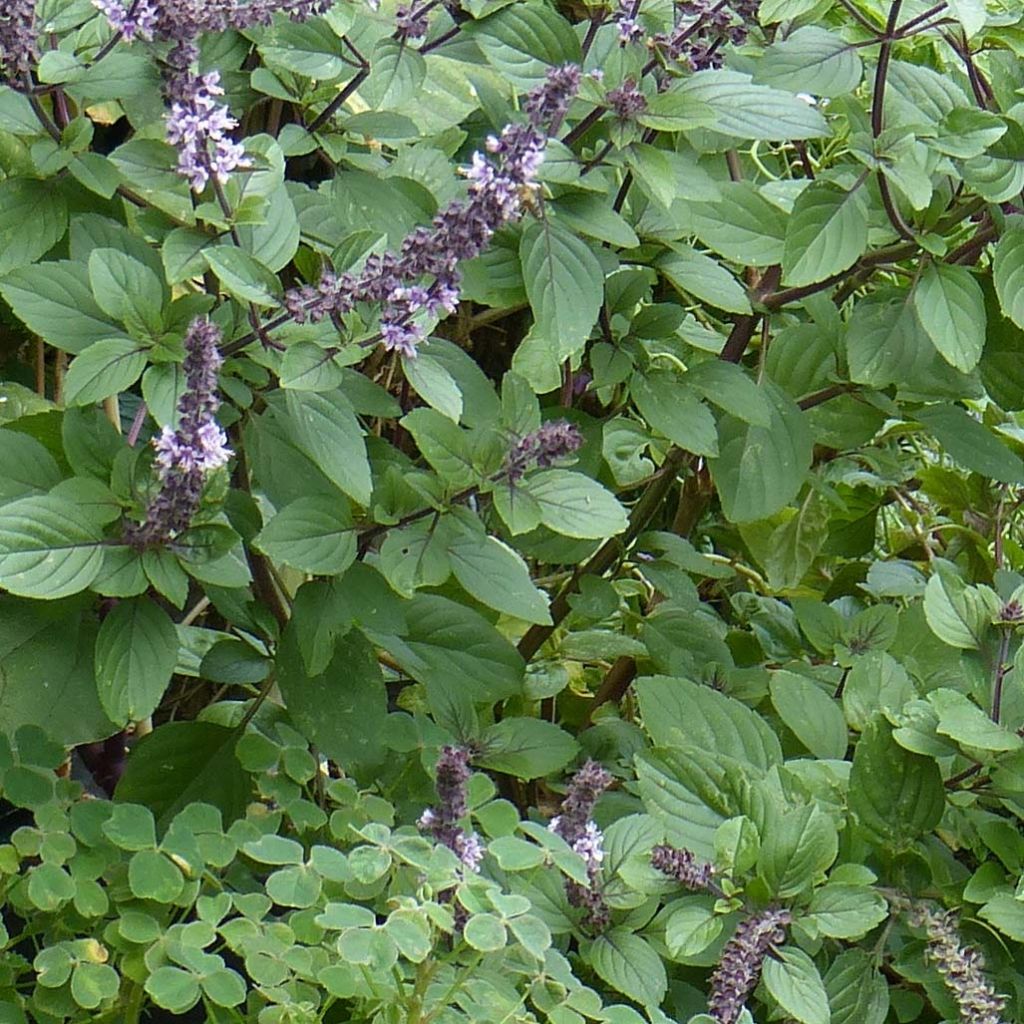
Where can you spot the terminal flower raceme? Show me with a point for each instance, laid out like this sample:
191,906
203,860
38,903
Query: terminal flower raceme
442,820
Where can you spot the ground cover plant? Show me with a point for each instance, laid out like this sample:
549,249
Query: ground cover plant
510,511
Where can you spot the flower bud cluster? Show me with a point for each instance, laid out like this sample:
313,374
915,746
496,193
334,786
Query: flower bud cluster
17,38
681,865
577,827
696,41
962,968
739,966
541,447
185,456
461,231
627,101
442,820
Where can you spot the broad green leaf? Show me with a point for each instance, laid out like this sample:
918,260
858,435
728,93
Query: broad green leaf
846,911
444,445
971,443
793,981
857,992
704,278
798,847
312,534
54,300
951,309
523,40
730,388
574,505
126,289
748,111
136,652
33,219
877,682
680,712
324,428
104,369
811,60
1006,913
896,795
670,407
26,467
626,962
813,716
971,14
969,726
434,384
183,763
242,275
497,575
47,548
826,233
957,614
485,932
742,225
760,469
527,748
1008,273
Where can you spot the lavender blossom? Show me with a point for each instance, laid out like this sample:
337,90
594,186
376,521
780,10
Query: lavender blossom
17,38
442,821
134,19
186,455
697,43
627,101
198,126
552,440
739,966
576,826
681,865
962,968
497,185
630,29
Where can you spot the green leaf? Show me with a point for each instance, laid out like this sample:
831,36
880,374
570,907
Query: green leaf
26,467
794,983
951,309
527,748
667,404
679,712
47,548
895,794
153,876
485,932
1006,913
182,763
324,427
627,963
574,505
796,850
431,380
742,225
811,60
523,40
448,641
969,726
748,111
971,443
312,534
54,300
565,286
761,469
811,714
1008,273
700,276
242,275
971,14
730,388
443,444
857,992
957,614
827,232
33,219
846,911
136,652
877,682
496,575
173,989
104,369
126,289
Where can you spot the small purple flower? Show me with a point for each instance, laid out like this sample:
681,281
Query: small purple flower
17,38
184,456
198,125
627,101
576,826
630,30
681,865
962,968
542,447
550,104
132,18
442,821
739,966
411,20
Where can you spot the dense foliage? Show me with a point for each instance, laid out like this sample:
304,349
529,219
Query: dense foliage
513,509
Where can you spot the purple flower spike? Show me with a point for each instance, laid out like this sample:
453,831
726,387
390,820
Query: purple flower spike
739,966
442,821
186,455
551,441
134,20
17,38
681,865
